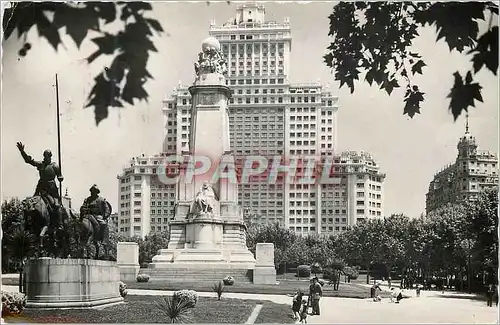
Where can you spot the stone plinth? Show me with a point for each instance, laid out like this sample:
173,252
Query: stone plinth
127,259
264,271
71,283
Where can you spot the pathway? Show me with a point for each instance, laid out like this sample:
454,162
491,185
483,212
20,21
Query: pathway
430,307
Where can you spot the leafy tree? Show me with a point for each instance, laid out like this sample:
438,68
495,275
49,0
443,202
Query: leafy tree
21,245
375,39
12,219
282,238
150,246
130,46
483,216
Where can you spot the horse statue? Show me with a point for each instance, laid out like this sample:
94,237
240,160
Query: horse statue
91,232
39,217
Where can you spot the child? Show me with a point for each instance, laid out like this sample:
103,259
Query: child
303,312
297,301
399,295
393,295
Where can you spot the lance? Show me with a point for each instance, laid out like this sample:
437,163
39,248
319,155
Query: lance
58,135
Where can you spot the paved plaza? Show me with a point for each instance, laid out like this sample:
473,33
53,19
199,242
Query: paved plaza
430,307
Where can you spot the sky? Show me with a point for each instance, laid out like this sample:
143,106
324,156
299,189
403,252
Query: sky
409,151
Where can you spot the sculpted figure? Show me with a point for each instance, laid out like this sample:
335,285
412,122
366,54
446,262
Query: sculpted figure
210,59
94,215
46,187
205,199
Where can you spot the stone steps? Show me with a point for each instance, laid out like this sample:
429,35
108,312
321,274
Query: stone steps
209,275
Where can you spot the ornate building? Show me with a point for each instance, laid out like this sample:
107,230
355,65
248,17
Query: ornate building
473,171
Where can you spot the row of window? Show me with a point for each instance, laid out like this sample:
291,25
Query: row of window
255,45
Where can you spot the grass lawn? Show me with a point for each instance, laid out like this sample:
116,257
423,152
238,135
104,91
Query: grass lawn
346,290
142,309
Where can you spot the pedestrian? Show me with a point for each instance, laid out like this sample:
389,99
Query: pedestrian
303,312
489,295
393,295
297,303
315,294
418,290
376,296
399,295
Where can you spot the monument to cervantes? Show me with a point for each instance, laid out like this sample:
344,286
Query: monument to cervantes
208,230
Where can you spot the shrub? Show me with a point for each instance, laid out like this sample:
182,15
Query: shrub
228,280
12,303
177,310
123,289
303,271
351,272
330,275
316,268
189,296
218,288
142,278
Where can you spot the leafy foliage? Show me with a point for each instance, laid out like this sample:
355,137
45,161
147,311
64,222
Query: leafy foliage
130,46
374,39
177,310
17,244
219,289
452,240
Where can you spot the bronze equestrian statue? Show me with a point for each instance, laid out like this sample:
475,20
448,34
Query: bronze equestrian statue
94,215
44,213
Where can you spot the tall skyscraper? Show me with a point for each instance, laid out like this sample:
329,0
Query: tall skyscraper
268,116
473,171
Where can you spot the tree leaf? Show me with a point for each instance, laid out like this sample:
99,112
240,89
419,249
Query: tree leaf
417,67
106,44
389,86
412,100
47,30
462,94
486,51
155,24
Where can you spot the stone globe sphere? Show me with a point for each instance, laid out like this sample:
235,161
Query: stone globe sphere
210,42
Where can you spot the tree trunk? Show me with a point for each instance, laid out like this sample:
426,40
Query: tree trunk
368,275
21,279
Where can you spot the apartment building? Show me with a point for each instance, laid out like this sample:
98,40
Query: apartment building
268,116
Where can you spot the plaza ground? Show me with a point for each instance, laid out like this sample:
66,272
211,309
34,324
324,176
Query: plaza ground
430,307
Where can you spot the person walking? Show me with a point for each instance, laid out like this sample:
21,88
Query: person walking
489,295
315,294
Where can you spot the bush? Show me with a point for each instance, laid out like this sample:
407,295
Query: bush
123,289
176,310
303,271
351,272
316,268
142,278
330,274
228,280
190,297
218,288
12,303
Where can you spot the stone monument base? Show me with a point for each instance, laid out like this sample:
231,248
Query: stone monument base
127,259
264,271
71,283
202,264
264,275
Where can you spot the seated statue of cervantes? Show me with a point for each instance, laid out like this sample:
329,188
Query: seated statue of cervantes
205,200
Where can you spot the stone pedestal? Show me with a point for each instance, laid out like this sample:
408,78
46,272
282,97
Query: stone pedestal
127,259
207,239
264,271
71,283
